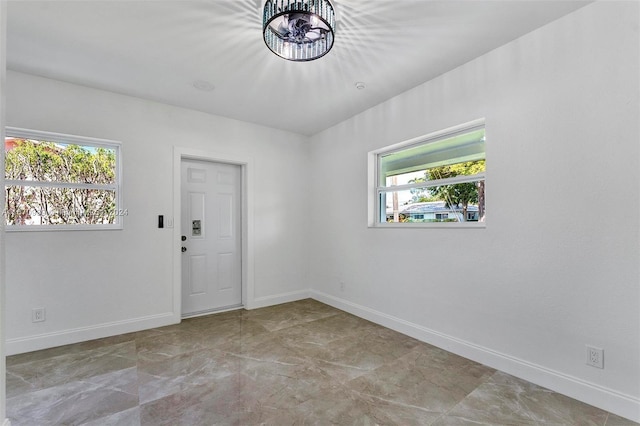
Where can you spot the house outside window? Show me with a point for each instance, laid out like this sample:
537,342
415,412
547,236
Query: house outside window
61,182
430,181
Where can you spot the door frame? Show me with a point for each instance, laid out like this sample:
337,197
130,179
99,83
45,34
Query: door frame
246,212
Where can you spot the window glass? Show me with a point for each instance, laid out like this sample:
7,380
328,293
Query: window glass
437,179
60,182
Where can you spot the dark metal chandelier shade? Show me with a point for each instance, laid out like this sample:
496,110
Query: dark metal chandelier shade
300,30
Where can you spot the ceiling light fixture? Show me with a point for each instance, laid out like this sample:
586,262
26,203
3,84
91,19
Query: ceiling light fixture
301,30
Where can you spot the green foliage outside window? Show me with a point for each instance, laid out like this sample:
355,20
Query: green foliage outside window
460,194
50,183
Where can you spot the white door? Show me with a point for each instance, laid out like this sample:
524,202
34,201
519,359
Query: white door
211,246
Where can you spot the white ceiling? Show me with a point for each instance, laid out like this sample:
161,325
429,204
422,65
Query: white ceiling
157,49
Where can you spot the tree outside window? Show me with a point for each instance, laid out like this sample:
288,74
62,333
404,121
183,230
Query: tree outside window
49,182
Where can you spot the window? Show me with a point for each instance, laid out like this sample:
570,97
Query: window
61,182
435,179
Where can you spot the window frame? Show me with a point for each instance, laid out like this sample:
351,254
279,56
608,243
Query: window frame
15,132
375,189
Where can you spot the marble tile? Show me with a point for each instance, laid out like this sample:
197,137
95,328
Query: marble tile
125,381
504,399
427,377
324,331
130,417
225,333
78,347
283,384
218,402
176,374
76,402
296,343
446,420
613,420
168,345
201,323
64,368
271,347
345,407
287,315
365,352
300,363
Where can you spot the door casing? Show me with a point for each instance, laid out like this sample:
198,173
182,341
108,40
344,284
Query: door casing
247,241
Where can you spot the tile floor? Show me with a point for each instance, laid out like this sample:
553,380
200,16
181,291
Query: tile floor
301,363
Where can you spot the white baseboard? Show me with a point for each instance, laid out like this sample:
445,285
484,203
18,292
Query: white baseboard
261,302
82,334
607,399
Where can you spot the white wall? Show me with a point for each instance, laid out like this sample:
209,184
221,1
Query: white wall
557,266
98,283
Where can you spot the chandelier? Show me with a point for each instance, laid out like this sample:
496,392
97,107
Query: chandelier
299,30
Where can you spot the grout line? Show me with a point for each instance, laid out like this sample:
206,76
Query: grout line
446,413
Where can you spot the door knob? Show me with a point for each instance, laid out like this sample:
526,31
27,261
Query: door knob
184,249
183,238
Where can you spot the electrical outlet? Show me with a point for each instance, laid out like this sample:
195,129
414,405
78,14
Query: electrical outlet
595,357
37,315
